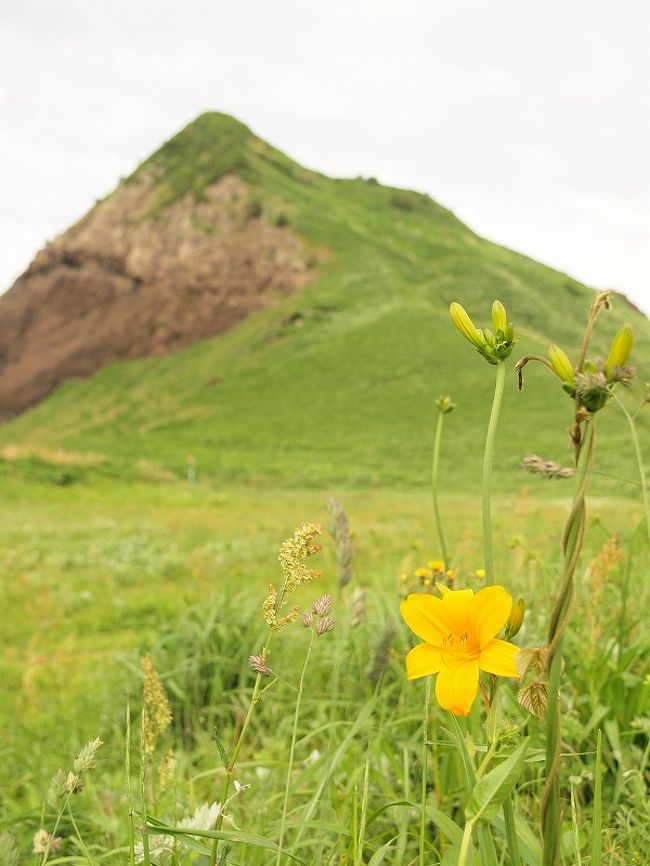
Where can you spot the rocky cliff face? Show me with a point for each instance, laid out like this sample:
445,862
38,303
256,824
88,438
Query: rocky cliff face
128,281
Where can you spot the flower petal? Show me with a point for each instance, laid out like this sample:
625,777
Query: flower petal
423,660
491,607
422,614
457,611
498,657
456,687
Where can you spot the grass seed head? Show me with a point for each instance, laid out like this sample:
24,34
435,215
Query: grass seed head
322,606
270,607
258,664
157,710
380,655
85,760
325,624
292,553
358,606
45,843
546,468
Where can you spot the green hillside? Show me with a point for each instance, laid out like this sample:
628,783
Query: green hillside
336,384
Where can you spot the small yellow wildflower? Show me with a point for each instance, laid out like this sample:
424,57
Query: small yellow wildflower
421,572
436,565
403,576
427,581
480,572
459,631
452,574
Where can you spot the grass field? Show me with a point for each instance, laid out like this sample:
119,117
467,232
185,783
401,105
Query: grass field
100,572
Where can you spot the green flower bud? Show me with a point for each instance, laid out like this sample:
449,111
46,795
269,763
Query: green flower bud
445,404
499,317
561,365
495,348
465,325
515,619
620,349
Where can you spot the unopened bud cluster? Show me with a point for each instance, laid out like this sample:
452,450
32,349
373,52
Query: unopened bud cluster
495,346
593,385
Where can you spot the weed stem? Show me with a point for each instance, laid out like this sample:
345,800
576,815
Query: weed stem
292,750
434,487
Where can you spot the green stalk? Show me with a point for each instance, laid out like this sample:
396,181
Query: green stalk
225,790
129,799
465,844
425,756
571,546
434,487
488,459
596,849
511,831
639,459
292,750
485,840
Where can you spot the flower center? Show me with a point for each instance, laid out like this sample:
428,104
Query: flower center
458,647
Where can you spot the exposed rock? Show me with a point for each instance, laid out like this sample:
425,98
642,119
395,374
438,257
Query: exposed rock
124,284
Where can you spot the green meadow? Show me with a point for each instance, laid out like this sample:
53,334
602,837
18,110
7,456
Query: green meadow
110,553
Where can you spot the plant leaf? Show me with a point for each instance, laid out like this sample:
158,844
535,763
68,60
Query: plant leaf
491,790
534,698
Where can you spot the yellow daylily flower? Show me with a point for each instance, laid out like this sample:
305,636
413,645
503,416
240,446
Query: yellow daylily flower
459,631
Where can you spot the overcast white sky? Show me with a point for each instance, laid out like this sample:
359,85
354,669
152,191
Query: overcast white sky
530,120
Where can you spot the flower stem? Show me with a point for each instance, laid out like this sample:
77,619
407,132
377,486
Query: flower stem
511,831
425,755
465,844
488,458
571,546
292,750
434,487
639,459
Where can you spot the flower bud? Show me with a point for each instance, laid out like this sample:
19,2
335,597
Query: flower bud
445,405
561,365
464,324
499,318
516,618
620,349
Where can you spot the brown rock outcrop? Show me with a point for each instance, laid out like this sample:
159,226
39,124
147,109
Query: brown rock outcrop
122,284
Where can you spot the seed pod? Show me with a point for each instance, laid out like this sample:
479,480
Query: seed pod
306,620
620,349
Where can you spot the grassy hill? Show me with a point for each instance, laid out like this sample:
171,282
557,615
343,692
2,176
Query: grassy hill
336,384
